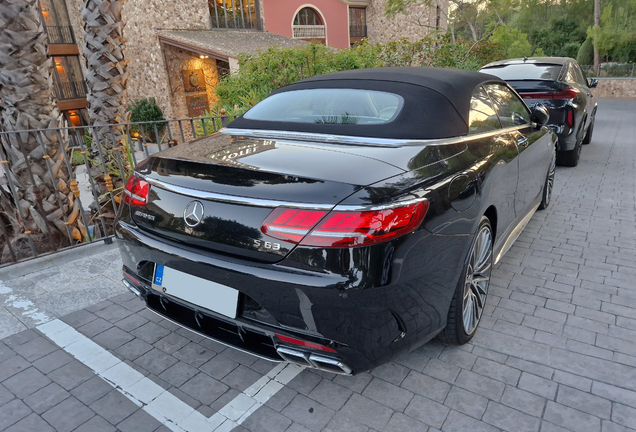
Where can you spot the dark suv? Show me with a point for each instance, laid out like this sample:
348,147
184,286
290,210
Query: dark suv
560,85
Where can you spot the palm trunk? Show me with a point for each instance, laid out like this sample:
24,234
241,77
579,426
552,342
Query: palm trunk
27,102
106,74
597,24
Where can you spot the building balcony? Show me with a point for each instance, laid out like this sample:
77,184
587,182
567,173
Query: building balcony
60,34
308,32
358,31
65,90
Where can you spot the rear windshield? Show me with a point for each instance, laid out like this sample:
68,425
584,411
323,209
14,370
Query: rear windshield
526,71
329,106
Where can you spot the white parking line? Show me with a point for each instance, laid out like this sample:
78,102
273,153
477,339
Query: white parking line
175,414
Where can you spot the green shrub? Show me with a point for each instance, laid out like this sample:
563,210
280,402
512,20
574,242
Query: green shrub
77,158
585,55
570,50
146,110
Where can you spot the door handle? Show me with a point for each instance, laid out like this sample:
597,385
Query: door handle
522,141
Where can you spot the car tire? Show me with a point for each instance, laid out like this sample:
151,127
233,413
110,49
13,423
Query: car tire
470,295
546,197
570,158
588,135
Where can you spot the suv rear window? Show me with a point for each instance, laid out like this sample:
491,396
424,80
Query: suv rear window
525,71
329,106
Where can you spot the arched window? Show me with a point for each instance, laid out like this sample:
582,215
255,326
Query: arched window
308,24
307,16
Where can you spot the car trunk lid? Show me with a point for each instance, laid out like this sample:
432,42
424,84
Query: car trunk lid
238,181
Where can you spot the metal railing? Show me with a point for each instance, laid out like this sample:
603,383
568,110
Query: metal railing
60,34
98,160
358,31
308,32
65,90
610,70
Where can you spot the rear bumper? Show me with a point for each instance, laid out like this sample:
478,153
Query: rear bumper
359,312
246,338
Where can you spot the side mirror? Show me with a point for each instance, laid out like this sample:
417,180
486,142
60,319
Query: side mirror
592,82
540,115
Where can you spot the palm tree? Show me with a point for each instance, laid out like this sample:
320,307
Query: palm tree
106,74
27,102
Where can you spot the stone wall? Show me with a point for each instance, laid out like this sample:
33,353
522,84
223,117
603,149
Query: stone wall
615,88
77,22
178,60
148,77
416,24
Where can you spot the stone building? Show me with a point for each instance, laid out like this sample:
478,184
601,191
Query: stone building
179,49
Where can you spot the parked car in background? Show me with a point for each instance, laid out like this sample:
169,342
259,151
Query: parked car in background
560,85
344,219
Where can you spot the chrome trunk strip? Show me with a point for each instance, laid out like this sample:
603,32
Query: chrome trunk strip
257,202
232,199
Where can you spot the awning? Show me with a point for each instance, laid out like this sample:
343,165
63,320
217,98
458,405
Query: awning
225,44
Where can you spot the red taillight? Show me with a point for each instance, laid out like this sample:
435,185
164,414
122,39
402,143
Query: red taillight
305,343
570,119
561,94
565,94
343,228
136,192
131,279
291,224
537,95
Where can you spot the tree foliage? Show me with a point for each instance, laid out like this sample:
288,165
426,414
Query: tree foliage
512,41
562,32
616,37
554,27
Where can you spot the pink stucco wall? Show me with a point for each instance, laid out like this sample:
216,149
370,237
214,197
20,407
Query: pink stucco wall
279,15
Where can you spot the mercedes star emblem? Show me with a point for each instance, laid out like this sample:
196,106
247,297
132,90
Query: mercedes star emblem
193,213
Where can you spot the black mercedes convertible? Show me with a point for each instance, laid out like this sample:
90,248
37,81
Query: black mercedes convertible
345,219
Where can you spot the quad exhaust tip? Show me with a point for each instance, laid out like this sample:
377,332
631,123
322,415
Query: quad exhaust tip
131,288
302,358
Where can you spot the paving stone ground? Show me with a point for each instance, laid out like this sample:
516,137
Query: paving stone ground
555,352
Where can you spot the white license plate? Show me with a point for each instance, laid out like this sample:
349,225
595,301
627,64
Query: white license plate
201,292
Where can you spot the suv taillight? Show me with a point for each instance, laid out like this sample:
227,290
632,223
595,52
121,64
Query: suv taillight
565,94
136,192
560,94
343,228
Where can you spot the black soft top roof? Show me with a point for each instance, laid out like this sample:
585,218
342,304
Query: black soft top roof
436,102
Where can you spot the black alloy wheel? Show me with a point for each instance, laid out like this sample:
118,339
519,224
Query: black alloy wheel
549,184
469,300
